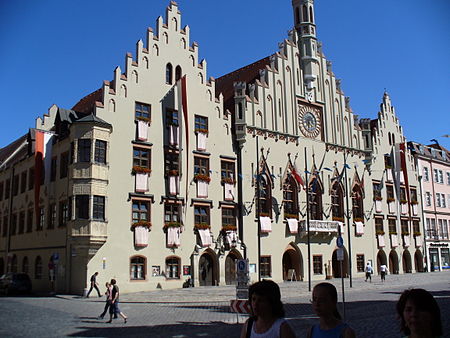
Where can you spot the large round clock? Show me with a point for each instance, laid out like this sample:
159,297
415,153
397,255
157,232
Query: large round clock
309,121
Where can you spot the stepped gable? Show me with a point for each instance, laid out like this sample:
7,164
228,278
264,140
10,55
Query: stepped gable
88,103
247,74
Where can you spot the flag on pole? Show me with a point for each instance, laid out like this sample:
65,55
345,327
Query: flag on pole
297,176
184,108
42,162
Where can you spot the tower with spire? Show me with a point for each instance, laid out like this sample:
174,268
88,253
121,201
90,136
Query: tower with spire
306,30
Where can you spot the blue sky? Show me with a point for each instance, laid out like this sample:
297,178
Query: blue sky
58,51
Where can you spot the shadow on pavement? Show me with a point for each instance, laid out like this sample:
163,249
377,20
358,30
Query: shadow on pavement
185,329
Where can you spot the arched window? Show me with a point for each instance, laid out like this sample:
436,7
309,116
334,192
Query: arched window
315,199
178,73
145,61
137,268
389,138
123,90
169,74
200,76
25,267
155,50
166,38
290,197
134,76
311,17
337,201
112,106
393,139
183,43
240,111
357,203
175,24
297,15
14,263
209,95
173,267
305,14
192,60
38,268
265,195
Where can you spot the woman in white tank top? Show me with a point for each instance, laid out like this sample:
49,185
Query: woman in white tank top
267,313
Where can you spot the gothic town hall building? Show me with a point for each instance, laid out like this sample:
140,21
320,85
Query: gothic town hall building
165,174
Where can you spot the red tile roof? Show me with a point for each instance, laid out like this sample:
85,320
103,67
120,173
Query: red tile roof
87,103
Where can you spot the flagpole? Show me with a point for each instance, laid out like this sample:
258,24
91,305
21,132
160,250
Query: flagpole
307,221
348,222
258,211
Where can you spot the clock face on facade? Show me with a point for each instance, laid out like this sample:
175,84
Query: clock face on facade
309,121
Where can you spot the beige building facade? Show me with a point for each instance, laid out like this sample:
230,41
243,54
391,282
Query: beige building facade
164,175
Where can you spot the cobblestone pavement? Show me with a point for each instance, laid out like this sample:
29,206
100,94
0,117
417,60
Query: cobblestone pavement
204,312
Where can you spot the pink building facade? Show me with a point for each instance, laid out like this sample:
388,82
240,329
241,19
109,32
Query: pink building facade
433,163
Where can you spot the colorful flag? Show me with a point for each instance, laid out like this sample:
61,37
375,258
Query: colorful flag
42,162
297,176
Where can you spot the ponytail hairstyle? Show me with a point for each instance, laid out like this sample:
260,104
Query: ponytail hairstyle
332,292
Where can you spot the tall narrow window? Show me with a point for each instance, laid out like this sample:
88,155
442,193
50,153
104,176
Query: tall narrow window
100,152
51,220
63,213
265,195
178,73
317,265
392,223
53,169
171,162
98,208
337,202
315,199
30,220
64,165
305,14
82,206
265,266
84,150
21,222
23,182
229,218
290,198
38,268
357,204
13,224
169,74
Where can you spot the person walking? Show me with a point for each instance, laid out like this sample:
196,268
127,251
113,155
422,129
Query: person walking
419,314
383,272
94,284
324,303
267,313
108,300
114,308
369,272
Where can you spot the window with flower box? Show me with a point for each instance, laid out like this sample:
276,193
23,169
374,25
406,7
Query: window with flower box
379,228
390,193
227,172
416,228
137,268
141,159
392,223
171,163
140,212
201,166
228,218
201,216
405,227
172,214
201,124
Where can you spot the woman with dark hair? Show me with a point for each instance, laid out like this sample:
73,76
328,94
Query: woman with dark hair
419,314
266,319
324,303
